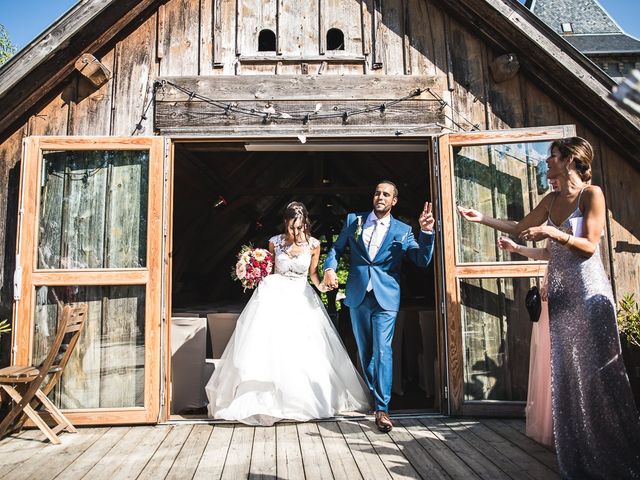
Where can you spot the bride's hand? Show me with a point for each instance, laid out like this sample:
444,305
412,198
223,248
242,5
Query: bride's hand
470,214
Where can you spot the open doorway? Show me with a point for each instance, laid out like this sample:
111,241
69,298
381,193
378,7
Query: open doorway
226,195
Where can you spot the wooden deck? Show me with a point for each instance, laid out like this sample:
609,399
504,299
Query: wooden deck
425,447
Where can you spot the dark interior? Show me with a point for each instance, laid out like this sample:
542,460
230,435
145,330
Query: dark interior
225,197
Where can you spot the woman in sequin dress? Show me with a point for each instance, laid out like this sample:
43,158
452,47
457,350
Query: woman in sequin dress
596,425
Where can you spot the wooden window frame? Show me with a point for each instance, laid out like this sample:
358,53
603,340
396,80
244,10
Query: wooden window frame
150,276
456,270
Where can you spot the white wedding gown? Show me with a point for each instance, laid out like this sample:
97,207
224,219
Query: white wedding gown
285,359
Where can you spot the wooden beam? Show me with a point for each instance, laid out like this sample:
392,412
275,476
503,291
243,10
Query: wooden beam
295,87
94,71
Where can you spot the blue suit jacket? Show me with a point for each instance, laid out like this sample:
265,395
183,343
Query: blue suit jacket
384,269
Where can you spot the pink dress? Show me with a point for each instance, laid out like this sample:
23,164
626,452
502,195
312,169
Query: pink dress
538,410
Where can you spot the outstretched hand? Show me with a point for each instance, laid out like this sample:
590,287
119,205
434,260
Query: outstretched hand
505,243
470,214
426,219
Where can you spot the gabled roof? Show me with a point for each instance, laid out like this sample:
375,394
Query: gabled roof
506,25
586,16
601,44
594,31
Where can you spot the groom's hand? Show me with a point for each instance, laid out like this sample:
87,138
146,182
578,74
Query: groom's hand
330,279
426,219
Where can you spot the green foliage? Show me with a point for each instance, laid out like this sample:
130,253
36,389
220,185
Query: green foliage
7,48
4,327
629,318
342,273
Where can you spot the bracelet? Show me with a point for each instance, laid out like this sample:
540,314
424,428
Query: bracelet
567,240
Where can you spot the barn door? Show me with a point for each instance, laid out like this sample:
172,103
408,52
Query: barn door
502,174
91,231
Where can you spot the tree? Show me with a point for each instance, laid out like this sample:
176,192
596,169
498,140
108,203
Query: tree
7,49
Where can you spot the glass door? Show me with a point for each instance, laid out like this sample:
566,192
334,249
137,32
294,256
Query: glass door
91,231
501,174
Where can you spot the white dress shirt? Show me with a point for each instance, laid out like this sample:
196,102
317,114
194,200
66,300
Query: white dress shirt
373,244
373,236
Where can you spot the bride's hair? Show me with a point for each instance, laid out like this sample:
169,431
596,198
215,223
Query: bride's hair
297,211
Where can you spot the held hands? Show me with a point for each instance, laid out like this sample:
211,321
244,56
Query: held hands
470,214
426,219
330,280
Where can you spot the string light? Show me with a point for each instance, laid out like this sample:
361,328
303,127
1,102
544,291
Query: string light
269,113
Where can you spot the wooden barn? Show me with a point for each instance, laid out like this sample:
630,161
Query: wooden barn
143,142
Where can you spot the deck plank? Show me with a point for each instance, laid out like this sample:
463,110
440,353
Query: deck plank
215,453
164,456
425,447
239,456
441,461
92,455
391,455
490,445
263,455
58,457
480,464
18,448
364,454
187,461
314,456
343,465
129,456
288,454
530,446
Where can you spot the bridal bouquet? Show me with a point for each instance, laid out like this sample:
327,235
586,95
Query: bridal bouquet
252,266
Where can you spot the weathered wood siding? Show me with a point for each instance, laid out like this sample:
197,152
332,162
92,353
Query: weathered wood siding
382,37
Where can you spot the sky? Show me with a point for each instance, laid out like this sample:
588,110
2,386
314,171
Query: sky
26,19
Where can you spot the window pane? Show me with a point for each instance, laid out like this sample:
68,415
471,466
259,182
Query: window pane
503,181
496,331
93,209
106,369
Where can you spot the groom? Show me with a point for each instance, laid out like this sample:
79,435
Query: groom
377,243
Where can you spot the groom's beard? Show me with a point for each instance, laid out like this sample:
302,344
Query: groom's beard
382,209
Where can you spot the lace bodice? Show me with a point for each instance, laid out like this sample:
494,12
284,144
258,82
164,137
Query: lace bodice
293,266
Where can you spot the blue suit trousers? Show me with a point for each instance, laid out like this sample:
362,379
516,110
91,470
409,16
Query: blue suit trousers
373,329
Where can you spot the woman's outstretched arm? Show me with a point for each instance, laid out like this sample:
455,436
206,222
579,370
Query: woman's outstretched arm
509,245
535,217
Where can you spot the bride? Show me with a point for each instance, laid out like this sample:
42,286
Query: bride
285,359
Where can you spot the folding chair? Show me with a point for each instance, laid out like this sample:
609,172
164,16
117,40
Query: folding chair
24,383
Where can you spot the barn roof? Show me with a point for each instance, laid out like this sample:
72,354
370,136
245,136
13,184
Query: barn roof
593,30
506,25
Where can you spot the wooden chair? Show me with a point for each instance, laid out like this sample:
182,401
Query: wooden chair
24,383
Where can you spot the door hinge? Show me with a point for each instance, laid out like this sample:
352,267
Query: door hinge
446,391
17,279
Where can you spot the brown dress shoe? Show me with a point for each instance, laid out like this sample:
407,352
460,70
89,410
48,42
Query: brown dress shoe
383,422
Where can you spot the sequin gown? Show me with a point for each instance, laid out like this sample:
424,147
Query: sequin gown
285,359
596,425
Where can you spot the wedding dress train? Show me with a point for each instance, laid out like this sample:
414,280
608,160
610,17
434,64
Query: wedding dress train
285,359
